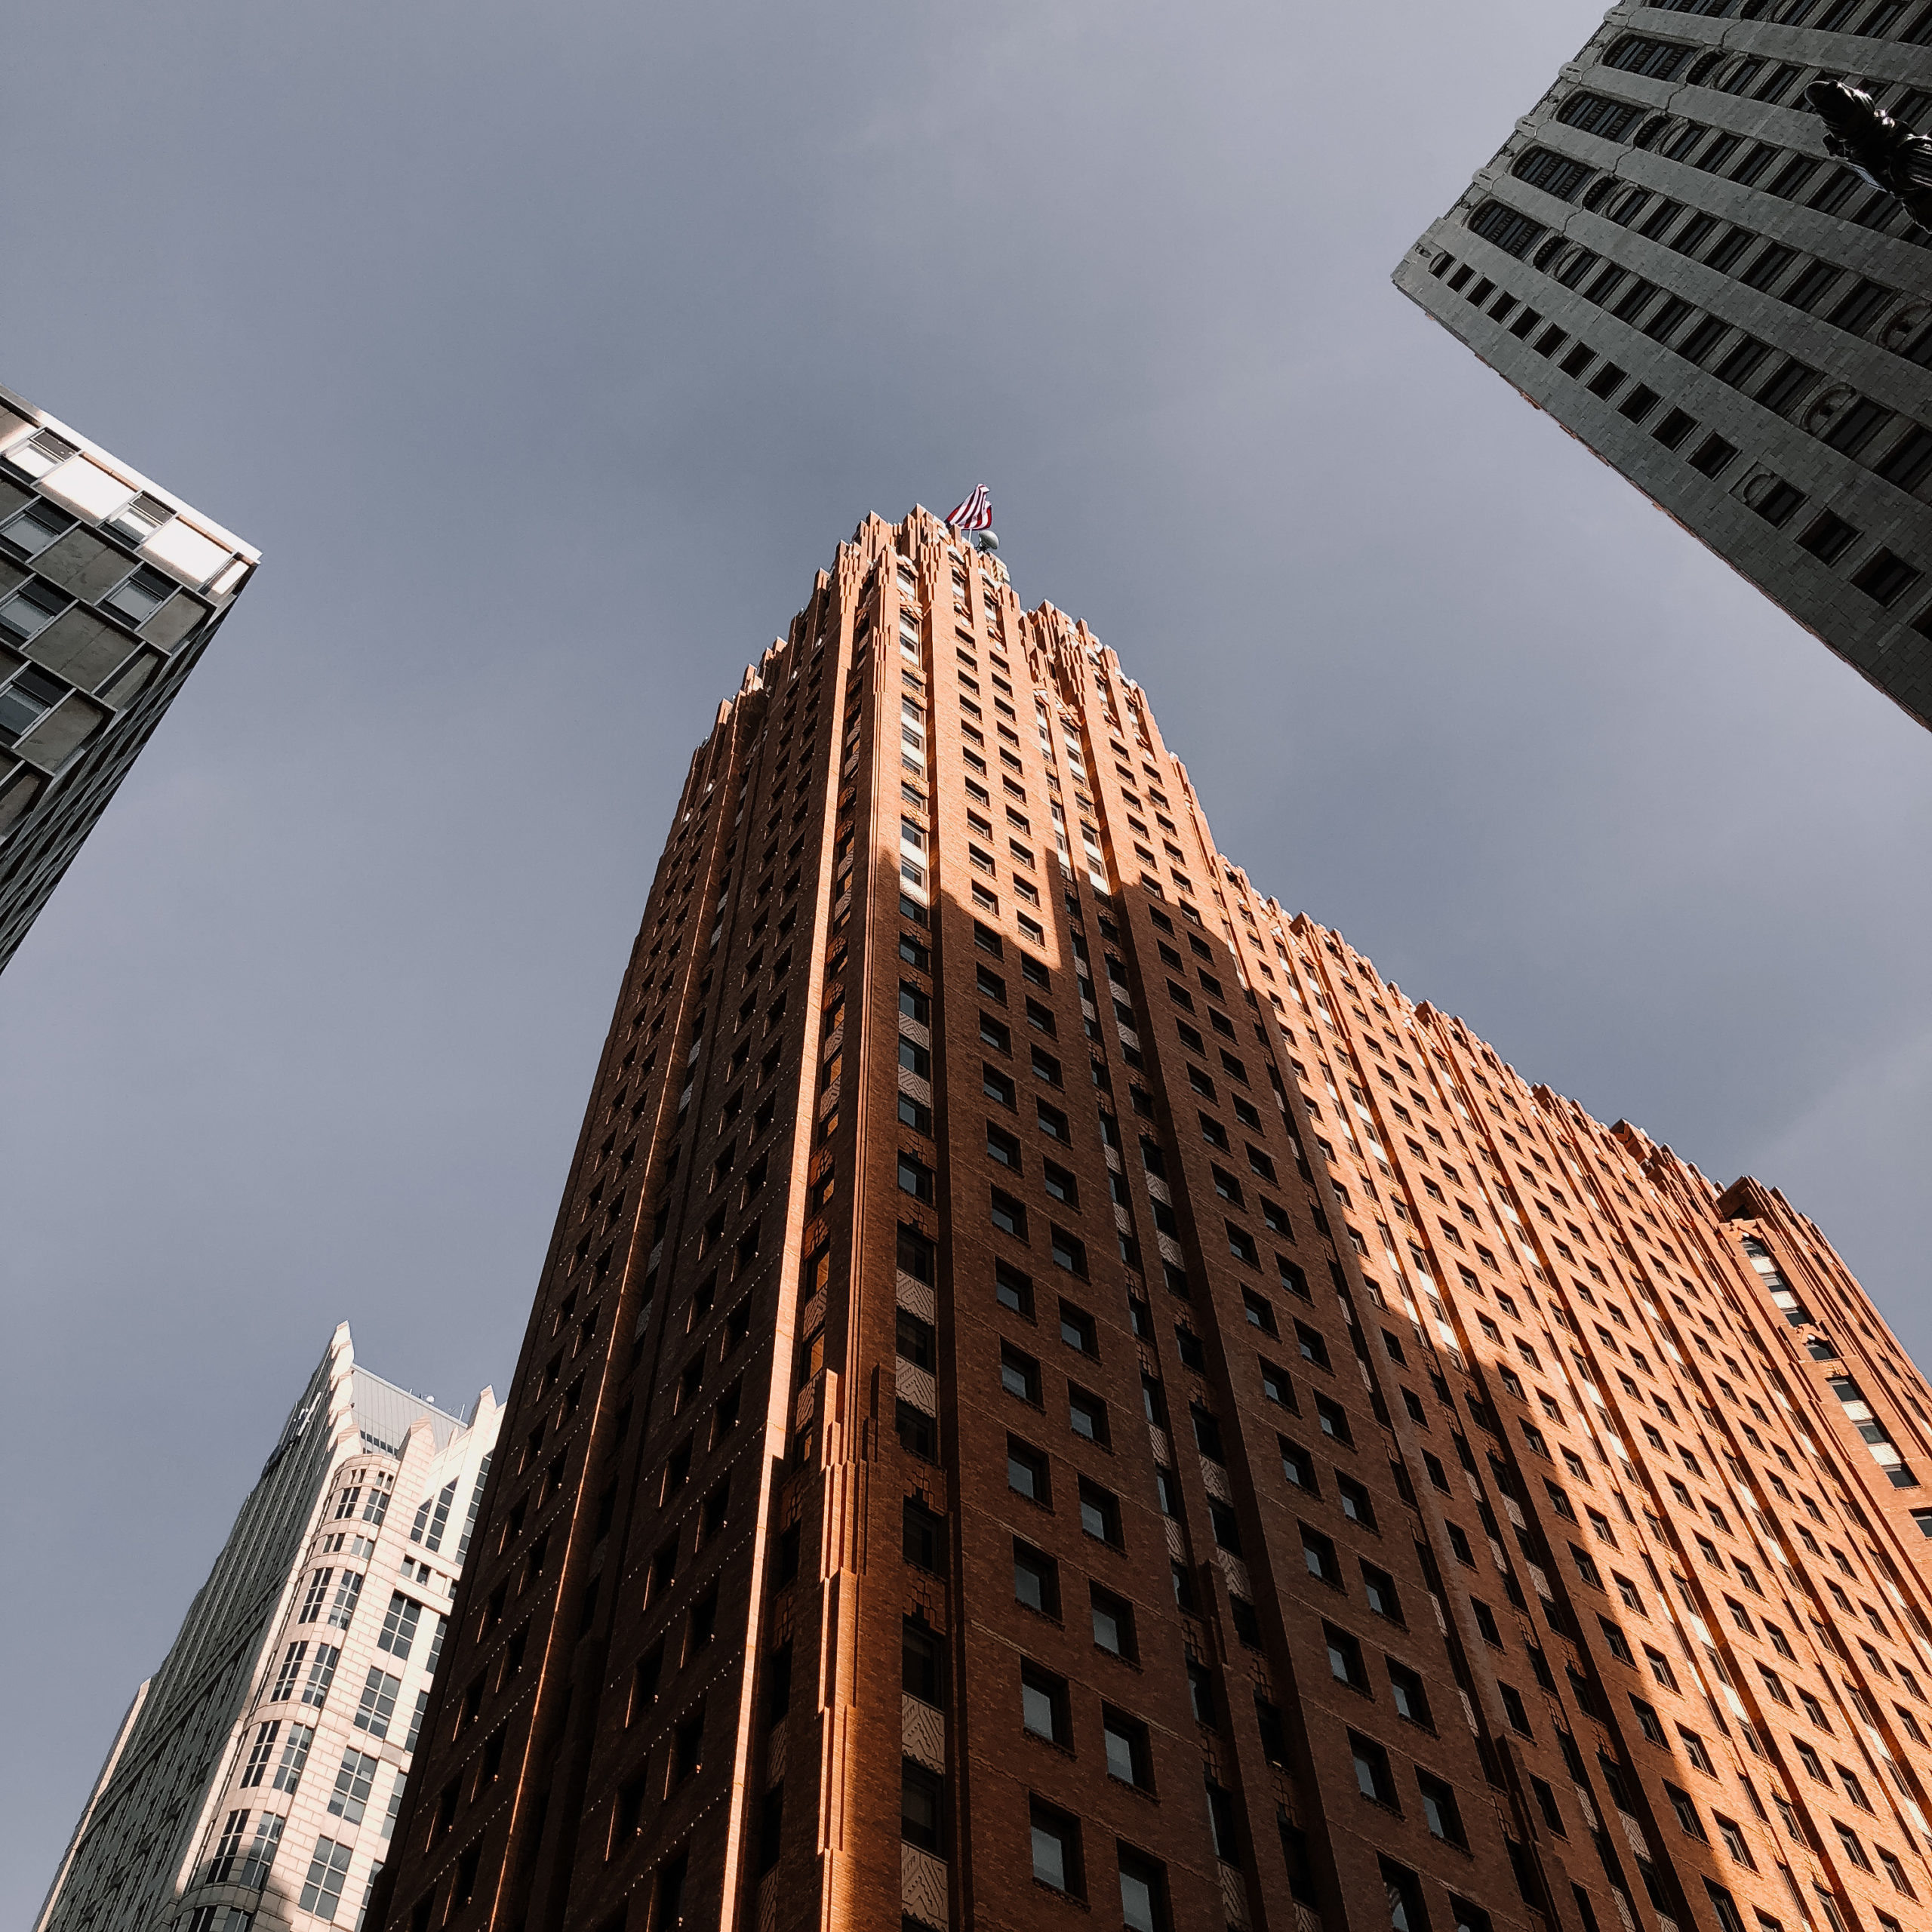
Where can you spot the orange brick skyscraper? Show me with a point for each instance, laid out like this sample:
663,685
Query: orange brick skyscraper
1059,1398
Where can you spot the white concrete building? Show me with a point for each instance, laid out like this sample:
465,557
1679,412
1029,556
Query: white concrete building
255,1778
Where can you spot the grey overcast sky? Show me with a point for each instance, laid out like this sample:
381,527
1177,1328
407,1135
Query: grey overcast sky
547,351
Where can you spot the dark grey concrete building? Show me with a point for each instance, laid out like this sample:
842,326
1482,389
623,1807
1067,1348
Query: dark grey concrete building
1663,256
110,589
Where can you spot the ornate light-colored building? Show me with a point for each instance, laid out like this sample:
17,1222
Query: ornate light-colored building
255,1778
1663,256
110,591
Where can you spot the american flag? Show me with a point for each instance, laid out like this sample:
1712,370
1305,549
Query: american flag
975,513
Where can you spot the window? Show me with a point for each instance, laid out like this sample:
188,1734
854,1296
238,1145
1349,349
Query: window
1113,1623
1514,1708
1100,1513
352,1782
321,1673
1144,1893
377,1705
24,615
1019,1374
1087,1414
1379,1589
1438,1809
1894,1871
922,1537
1129,1756
1345,1659
916,1256
321,1890
1035,1579
1356,1503
922,1809
687,1748
1854,1849
1298,1466
1044,1708
1687,1812
1312,1347
260,1753
922,1664
1026,1471
1013,1290
1828,537
1069,1251
1372,1776
1402,1889
1333,1420
1406,1690
1077,1329
398,1625
1056,1849
1318,1554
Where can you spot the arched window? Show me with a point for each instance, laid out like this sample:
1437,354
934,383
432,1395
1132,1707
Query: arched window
1655,60
1574,266
1593,114
1555,174
1505,228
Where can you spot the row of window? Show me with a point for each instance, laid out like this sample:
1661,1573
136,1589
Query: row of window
1697,1755
1808,284
1884,576
239,1859
1905,21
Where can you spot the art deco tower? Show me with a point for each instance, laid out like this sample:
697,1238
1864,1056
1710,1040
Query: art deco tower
110,591
1058,1398
1665,257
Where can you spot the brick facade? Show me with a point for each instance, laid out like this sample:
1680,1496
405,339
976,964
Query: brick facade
1056,1393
